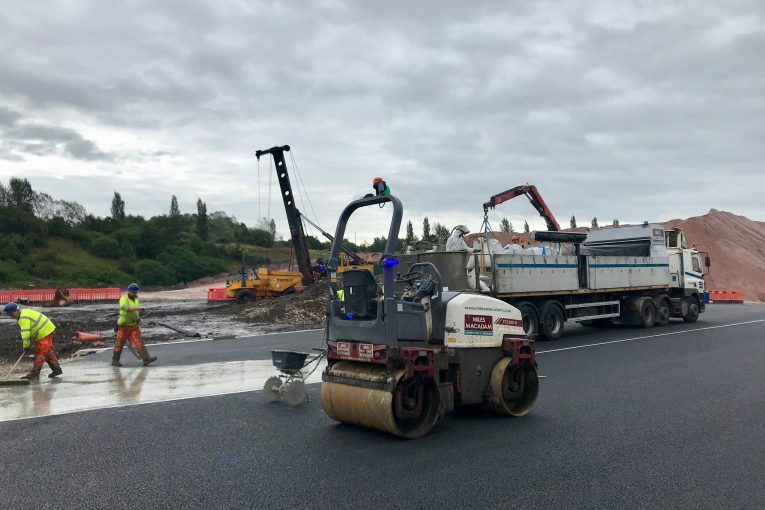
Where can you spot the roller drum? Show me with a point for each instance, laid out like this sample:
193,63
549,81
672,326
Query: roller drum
370,395
514,390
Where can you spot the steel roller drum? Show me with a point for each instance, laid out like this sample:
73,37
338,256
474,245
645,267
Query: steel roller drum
369,407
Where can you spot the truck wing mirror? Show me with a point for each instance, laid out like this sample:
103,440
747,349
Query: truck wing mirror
707,261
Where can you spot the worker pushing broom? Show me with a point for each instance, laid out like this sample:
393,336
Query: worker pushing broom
35,327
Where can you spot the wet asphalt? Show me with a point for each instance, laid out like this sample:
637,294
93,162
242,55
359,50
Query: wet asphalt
672,419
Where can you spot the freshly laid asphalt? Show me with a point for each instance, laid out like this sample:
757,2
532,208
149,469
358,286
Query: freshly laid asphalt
670,417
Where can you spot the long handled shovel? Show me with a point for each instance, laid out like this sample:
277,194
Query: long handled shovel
14,382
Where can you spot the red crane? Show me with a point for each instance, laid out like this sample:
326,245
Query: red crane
534,197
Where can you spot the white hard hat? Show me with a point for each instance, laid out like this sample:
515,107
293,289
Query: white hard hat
462,228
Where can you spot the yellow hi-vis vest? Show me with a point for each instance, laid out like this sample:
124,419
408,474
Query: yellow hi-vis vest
128,318
34,326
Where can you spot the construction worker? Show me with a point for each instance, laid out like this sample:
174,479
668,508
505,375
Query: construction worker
36,327
127,328
456,241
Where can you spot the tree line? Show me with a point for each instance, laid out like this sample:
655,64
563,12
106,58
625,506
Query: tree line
37,233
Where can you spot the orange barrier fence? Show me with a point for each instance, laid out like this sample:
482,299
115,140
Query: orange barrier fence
726,296
43,295
217,295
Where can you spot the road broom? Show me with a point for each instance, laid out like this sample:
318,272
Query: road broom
14,382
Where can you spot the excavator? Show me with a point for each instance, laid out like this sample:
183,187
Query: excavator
266,283
399,363
534,197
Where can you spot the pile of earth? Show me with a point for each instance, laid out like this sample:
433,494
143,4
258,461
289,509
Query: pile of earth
736,246
303,309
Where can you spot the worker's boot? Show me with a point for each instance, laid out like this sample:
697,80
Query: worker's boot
145,356
56,370
116,359
33,374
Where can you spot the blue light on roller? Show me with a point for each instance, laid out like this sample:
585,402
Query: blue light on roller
391,262
349,316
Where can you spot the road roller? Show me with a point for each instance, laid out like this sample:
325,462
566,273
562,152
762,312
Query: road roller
403,354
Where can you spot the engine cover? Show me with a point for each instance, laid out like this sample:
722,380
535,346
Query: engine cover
473,320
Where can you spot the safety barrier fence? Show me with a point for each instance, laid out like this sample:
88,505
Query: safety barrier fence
218,294
726,296
43,295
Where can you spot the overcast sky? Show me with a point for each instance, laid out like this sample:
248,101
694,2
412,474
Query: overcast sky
633,110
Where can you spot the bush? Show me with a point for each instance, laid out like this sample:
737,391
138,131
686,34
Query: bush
46,270
58,226
105,246
10,274
96,276
151,272
127,251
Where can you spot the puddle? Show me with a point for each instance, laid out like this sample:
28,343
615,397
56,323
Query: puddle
87,385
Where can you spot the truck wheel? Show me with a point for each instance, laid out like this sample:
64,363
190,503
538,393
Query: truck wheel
552,321
245,296
693,310
663,311
530,319
647,313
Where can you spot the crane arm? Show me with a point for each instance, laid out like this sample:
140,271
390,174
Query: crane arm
293,214
534,197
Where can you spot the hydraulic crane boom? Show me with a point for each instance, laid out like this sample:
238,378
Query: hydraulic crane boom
293,214
534,197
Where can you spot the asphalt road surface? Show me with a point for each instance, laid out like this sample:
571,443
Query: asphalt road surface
670,417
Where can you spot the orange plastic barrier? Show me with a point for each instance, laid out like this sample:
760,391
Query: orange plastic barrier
726,296
218,294
43,295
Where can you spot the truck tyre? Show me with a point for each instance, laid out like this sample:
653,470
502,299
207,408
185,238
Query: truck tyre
530,319
693,310
663,310
551,325
245,296
647,312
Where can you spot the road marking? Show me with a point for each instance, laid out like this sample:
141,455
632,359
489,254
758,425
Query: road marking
650,336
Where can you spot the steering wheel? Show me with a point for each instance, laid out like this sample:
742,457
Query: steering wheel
408,277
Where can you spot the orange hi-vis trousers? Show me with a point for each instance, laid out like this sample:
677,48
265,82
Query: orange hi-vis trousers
44,352
125,333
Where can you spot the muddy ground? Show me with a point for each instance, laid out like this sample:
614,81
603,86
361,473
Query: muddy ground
167,320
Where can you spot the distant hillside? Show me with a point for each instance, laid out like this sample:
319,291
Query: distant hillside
736,246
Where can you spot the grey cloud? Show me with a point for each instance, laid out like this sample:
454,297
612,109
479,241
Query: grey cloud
629,110
22,137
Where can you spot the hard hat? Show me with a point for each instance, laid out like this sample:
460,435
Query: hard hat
376,180
133,287
10,308
462,228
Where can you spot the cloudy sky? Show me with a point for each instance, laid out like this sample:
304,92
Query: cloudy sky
637,110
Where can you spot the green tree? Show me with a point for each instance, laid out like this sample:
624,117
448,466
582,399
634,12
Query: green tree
118,207
174,209
202,225
425,229
105,246
21,194
616,222
441,233
409,233
573,221
594,223
505,225
151,272
526,227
